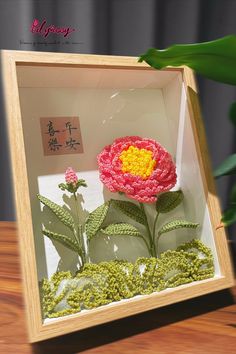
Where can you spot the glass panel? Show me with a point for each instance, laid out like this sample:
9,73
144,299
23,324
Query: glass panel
69,115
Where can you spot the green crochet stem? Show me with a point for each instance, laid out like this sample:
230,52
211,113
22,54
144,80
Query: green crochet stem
154,233
152,247
79,234
100,284
167,202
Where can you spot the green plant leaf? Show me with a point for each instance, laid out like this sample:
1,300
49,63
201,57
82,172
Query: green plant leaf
228,167
177,224
229,216
130,209
63,215
63,239
215,60
169,201
232,113
121,229
95,220
233,195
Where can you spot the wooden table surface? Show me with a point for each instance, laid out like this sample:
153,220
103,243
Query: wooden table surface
203,325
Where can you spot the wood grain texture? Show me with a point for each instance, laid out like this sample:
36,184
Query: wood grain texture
205,324
21,194
38,331
207,176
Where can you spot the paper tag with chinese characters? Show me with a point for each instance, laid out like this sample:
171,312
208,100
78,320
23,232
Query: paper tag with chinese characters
61,135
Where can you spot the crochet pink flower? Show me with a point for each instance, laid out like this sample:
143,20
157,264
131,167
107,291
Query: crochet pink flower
70,176
72,182
139,167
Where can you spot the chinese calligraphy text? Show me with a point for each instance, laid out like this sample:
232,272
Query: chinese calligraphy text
61,135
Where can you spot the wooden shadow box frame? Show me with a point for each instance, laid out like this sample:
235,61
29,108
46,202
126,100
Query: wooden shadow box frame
26,78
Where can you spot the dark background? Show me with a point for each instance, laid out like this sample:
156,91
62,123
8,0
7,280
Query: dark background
126,27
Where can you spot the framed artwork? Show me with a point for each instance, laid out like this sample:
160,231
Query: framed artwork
116,204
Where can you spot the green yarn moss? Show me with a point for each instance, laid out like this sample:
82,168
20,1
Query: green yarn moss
103,283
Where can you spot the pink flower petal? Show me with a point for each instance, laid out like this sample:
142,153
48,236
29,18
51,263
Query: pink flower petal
162,179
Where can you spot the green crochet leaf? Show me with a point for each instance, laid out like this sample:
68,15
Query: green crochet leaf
81,183
130,209
169,201
177,224
63,215
121,229
62,186
63,239
95,220
215,60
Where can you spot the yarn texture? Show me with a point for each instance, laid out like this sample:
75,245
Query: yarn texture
70,176
139,167
100,284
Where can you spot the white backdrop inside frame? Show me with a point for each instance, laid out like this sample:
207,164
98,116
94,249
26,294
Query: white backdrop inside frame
110,104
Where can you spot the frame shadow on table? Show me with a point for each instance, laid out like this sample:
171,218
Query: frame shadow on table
149,321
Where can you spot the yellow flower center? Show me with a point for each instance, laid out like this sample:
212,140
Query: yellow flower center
138,162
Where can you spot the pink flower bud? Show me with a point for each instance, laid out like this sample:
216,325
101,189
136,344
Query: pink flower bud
70,176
